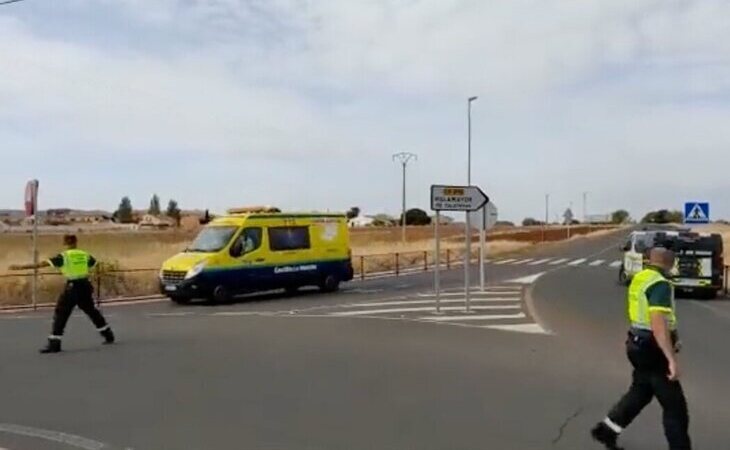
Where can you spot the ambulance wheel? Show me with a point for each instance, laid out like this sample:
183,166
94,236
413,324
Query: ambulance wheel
330,283
220,296
623,277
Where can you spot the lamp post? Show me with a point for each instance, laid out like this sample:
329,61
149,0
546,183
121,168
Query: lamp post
467,253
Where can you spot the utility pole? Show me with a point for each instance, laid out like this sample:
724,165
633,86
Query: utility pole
547,217
404,158
467,234
585,207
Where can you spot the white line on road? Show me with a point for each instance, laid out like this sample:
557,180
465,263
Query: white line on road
173,314
559,261
504,261
514,293
539,261
616,264
367,312
596,263
53,436
577,262
431,302
522,261
532,328
460,318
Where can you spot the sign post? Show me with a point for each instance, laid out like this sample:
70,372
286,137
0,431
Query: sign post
485,219
31,210
437,263
457,198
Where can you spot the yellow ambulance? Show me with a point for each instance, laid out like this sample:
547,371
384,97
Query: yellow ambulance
260,249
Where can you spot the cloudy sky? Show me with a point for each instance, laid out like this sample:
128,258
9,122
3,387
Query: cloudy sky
301,103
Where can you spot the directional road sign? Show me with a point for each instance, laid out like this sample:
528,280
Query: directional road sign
457,198
696,212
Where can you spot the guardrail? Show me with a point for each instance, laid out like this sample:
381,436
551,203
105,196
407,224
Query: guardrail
114,285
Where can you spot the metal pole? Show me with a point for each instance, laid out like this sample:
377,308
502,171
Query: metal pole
35,245
437,262
403,209
467,253
404,158
482,249
585,201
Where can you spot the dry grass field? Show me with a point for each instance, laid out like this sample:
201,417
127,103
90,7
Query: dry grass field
143,253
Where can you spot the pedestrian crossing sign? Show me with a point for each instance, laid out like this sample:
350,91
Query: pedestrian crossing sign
696,212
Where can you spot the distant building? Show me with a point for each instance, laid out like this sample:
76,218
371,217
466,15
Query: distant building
362,221
155,222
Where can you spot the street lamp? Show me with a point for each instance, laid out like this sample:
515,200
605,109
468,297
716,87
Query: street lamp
404,158
467,253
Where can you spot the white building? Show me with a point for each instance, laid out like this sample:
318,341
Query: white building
361,221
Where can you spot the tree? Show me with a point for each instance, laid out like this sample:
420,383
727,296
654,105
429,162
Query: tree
416,216
663,216
154,206
123,214
620,216
173,211
353,212
530,222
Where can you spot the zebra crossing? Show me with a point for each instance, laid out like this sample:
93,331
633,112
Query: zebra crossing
498,307
557,261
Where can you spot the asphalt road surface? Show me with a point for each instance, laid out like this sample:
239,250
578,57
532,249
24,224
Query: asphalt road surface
537,362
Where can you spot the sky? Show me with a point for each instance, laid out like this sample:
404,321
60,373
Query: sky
302,103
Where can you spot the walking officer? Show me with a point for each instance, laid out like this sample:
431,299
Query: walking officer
652,348
74,265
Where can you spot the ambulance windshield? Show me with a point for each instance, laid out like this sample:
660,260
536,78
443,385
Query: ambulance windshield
212,239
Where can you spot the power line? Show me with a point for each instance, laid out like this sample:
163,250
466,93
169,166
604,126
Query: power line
7,2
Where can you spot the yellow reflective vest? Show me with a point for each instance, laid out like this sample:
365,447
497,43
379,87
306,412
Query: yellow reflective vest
638,302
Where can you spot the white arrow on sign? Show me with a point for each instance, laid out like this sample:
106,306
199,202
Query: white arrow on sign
457,198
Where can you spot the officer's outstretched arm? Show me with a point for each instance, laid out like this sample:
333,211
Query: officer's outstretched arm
40,265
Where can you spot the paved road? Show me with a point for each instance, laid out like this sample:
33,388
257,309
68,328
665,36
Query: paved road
363,369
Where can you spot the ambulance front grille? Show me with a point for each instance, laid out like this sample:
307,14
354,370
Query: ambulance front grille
172,277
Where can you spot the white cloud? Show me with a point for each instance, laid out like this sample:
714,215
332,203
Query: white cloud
573,95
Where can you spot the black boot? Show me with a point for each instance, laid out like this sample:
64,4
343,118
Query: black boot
606,436
108,336
53,346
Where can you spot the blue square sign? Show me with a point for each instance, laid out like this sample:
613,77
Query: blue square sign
696,212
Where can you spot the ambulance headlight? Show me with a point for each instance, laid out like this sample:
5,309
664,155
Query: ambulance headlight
195,271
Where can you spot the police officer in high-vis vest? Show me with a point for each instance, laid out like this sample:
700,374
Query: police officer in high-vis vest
652,348
74,265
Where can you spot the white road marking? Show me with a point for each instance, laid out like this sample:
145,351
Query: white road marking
596,263
173,314
432,301
539,261
532,328
53,436
522,261
462,318
514,292
504,261
528,279
616,264
559,261
241,313
367,312
577,262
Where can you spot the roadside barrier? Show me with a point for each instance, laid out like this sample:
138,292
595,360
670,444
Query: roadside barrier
118,285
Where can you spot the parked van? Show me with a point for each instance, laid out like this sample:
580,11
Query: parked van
699,267
260,250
